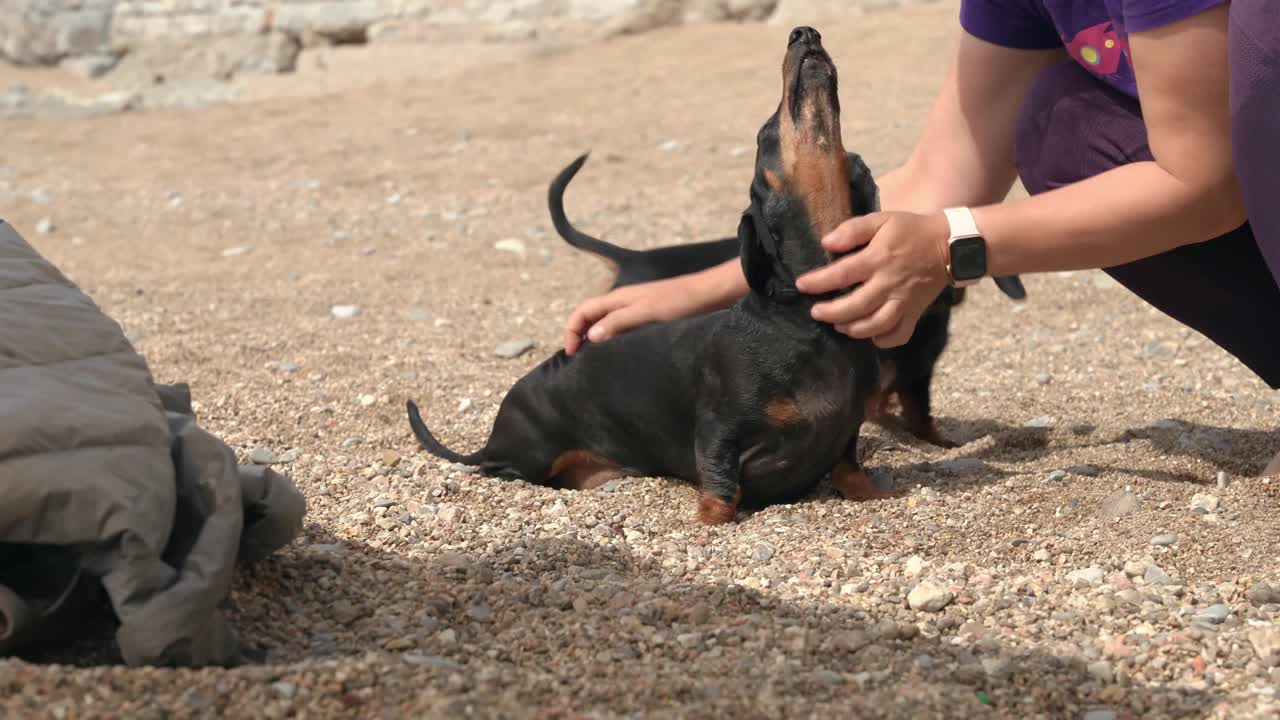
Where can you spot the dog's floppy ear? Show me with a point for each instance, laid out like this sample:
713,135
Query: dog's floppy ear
757,265
865,192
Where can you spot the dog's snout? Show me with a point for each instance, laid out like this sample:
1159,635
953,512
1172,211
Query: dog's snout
804,34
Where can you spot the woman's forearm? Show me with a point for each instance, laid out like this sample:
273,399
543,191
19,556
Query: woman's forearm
1125,214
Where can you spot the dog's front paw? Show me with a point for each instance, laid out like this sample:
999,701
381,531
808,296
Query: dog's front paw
715,510
853,484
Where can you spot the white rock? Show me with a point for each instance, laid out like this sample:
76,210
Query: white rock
1204,503
235,251
344,312
510,245
929,596
1086,577
914,566
45,225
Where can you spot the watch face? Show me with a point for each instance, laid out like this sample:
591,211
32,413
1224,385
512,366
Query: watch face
968,258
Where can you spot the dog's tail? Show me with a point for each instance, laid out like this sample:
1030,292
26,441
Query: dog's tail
1011,285
571,235
432,445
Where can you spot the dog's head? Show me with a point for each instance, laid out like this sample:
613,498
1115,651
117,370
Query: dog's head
805,183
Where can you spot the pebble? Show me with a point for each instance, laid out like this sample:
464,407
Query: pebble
480,612
669,146
1156,576
827,677
1086,577
239,250
1223,480
290,367
1082,428
1135,568
762,552
1044,421
450,515
430,661
418,314
1043,379
914,566
1165,540
961,465
1204,503
262,455
1085,470
1263,594
1102,671
367,400
1100,714
1265,641
511,245
285,690
390,458
464,405
352,441
1056,475
344,312
45,225
1040,555
929,596
1119,503
513,348
1215,614
341,234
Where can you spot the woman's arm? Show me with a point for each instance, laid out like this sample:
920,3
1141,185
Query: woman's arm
1187,194
965,153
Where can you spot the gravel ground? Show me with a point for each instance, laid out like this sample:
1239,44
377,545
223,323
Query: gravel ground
1099,547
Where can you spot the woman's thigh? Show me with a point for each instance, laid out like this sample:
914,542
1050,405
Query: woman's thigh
1073,127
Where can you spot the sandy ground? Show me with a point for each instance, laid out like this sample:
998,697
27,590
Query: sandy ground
418,590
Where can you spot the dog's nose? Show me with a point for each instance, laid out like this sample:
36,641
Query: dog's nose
804,34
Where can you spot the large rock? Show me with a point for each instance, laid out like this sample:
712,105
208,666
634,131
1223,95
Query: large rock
43,32
812,12
727,10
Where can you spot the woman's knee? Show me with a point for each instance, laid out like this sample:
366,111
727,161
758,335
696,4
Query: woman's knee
1072,126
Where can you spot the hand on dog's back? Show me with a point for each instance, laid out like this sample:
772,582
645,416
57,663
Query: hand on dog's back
632,306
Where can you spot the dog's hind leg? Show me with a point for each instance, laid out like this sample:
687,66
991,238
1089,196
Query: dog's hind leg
916,410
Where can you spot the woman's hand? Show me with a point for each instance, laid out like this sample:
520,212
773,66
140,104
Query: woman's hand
901,269
631,306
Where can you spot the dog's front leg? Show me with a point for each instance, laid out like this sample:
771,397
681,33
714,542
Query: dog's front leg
717,455
850,480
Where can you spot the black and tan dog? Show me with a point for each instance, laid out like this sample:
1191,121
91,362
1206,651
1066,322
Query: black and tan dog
906,371
756,403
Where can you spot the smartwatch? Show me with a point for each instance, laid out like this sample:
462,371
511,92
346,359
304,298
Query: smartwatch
966,248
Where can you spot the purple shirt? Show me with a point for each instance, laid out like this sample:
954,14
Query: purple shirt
1094,32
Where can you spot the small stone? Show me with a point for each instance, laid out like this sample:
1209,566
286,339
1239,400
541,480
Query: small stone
914,566
341,234
1263,594
448,636
1265,641
367,400
352,441
238,250
1215,614
1085,470
762,552
850,640
418,314
430,660
1043,379
285,690
558,509
390,458
1040,555
262,455
689,640
1135,568
1165,539
450,515
827,678
929,596
1204,503
961,465
1156,576
1223,481
511,245
616,485
1102,671
90,66
324,644
464,405
44,226
480,612
1056,475
1100,714
290,367
1086,577
513,349
1119,503
344,312
1082,429
669,146
1044,421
